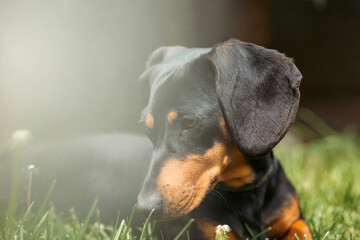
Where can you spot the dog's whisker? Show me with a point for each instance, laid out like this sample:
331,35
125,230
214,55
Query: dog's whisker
219,195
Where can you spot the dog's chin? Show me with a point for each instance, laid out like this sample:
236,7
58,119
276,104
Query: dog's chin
180,204
165,217
172,216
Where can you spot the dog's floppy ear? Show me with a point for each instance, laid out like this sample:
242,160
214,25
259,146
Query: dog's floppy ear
156,57
258,91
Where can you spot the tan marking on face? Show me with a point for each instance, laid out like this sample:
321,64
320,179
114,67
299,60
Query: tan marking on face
285,218
172,115
149,121
300,228
183,183
208,228
238,172
224,130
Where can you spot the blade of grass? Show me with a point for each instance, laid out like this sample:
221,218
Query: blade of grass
130,220
142,236
119,230
184,229
249,230
153,226
75,220
316,122
327,233
37,228
115,226
87,220
98,223
43,205
60,226
27,212
48,231
21,232
262,232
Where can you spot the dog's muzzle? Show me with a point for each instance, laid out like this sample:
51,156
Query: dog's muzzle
153,202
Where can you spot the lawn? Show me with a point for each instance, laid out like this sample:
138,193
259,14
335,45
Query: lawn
325,173
324,170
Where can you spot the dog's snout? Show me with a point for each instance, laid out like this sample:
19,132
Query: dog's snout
153,202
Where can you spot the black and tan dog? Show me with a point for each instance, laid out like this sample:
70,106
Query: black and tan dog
214,116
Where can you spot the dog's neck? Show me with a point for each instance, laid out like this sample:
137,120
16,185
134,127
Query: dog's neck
224,200
263,166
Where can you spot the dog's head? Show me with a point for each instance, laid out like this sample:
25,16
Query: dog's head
208,112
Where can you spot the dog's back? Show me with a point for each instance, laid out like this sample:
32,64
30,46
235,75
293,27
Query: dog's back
111,167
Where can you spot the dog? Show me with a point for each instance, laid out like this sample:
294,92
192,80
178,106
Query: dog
214,115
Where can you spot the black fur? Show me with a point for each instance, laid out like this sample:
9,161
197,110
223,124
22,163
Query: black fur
255,90
259,97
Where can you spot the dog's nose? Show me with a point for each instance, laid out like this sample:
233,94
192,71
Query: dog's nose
147,204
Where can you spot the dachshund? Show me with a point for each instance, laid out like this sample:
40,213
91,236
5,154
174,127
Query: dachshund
213,116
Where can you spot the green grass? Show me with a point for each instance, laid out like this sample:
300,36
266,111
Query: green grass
324,171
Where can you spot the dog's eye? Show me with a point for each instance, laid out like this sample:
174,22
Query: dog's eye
186,123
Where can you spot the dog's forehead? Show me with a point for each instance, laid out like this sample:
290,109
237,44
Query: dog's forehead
159,73
172,79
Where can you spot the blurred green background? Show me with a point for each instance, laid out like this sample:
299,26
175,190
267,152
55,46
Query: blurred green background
69,68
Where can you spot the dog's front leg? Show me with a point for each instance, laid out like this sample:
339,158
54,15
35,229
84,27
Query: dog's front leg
299,227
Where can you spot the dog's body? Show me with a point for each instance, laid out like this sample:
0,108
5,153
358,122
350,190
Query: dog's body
214,116
111,167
